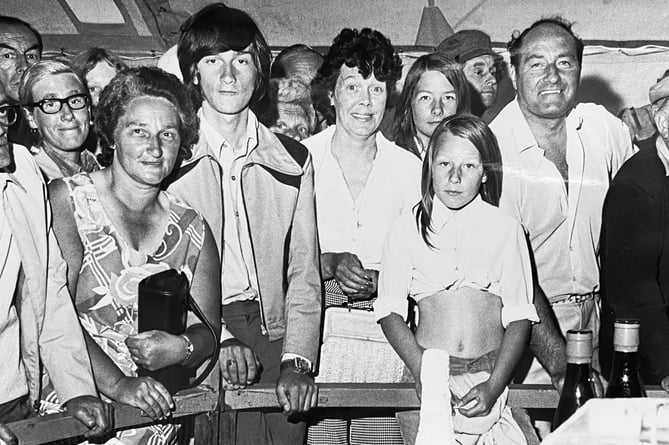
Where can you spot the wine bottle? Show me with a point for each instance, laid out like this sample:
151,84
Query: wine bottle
578,387
625,380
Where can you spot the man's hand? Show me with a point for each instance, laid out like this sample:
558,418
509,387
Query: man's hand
155,350
146,394
353,280
239,364
296,392
6,436
95,414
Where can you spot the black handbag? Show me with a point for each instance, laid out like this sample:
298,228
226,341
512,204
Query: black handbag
163,304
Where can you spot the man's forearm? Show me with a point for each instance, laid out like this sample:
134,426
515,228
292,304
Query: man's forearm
546,341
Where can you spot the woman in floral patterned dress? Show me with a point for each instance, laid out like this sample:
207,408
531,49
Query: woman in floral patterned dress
116,227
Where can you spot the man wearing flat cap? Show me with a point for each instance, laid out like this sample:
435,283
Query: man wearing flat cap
472,48
635,249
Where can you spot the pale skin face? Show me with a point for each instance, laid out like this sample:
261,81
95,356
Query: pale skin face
457,171
292,121
67,129
359,103
147,139
480,72
18,50
434,99
97,79
548,73
227,80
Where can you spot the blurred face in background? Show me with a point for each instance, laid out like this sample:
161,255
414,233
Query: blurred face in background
292,121
480,71
97,79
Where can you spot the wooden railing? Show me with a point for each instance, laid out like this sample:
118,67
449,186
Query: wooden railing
331,395
61,426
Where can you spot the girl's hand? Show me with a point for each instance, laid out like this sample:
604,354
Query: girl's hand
155,350
479,400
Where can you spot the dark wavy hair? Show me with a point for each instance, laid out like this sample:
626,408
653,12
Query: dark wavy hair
132,83
215,29
369,51
404,128
476,131
515,45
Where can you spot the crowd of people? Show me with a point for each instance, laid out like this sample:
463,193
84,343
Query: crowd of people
477,210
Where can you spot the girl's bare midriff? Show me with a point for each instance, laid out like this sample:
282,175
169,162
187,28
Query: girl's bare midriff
465,322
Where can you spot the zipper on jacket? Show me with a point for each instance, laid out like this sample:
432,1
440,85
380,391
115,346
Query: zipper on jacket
263,323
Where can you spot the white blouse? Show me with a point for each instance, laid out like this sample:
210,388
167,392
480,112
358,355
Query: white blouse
478,246
360,226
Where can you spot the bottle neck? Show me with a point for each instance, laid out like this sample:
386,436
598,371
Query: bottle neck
577,371
625,357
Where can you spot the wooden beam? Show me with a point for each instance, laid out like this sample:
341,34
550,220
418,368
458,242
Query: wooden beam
361,395
395,395
53,427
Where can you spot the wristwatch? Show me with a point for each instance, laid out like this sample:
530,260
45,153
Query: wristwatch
298,364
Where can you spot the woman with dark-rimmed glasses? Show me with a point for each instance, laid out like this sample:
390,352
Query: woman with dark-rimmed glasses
57,108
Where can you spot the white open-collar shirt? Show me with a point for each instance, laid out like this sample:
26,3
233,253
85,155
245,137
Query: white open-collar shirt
563,225
360,226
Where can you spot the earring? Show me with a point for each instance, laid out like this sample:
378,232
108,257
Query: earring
33,130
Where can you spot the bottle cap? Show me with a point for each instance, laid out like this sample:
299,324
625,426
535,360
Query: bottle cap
579,346
626,335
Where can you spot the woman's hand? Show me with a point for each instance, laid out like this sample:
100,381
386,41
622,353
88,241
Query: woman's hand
146,394
155,350
481,399
354,281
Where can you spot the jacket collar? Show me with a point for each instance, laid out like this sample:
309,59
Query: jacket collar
264,147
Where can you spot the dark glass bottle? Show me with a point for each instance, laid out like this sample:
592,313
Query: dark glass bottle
625,380
578,387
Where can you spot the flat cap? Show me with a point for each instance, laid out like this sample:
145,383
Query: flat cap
465,45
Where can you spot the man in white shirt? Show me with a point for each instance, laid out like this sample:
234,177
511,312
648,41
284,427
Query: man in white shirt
261,184
558,160
38,322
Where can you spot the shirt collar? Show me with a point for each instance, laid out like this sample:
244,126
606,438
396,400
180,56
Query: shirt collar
442,215
524,136
663,153
215,139
7,178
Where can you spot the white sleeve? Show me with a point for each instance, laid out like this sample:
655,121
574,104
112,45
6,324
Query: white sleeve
395,273
517,289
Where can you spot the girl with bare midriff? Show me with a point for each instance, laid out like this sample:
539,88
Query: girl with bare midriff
467,265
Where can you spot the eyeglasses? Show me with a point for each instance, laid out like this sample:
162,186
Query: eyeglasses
53,105
8,115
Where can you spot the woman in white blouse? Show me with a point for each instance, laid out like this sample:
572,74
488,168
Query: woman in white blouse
362,180
467,265
362,183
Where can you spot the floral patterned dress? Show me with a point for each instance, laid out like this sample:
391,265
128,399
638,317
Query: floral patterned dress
110,273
